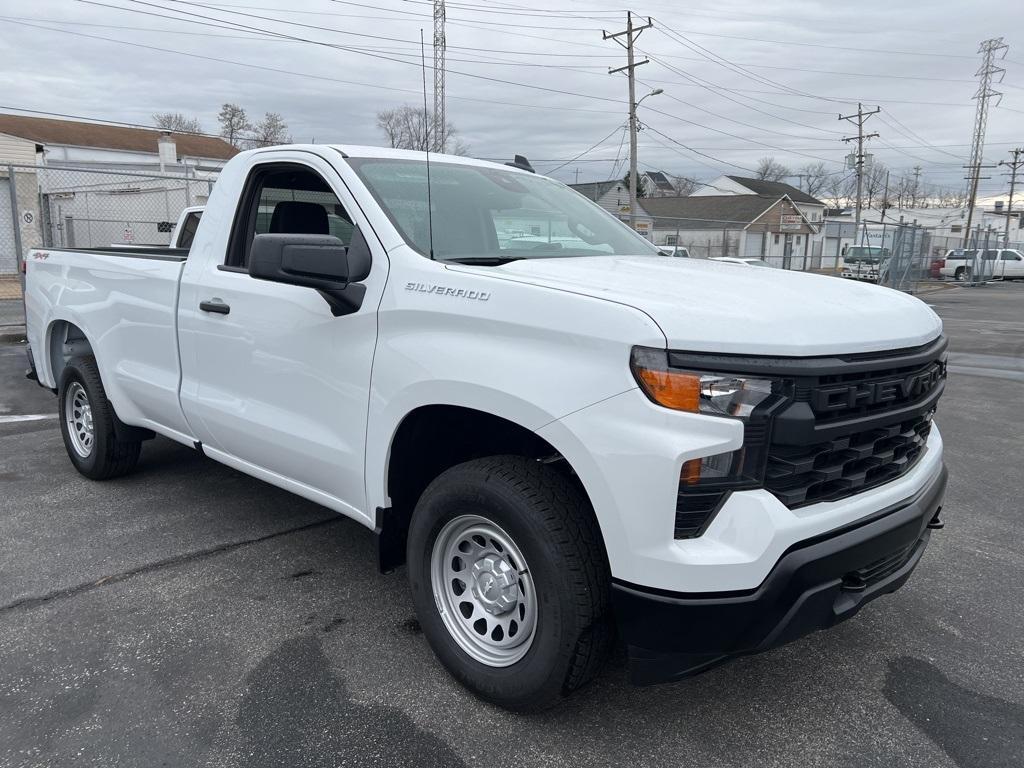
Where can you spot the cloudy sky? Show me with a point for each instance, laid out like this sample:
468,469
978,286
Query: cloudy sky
741,80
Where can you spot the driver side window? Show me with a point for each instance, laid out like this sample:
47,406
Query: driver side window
285,198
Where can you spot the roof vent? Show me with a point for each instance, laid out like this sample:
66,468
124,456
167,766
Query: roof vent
522,164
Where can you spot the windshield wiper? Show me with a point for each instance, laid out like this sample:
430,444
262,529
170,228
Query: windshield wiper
483,261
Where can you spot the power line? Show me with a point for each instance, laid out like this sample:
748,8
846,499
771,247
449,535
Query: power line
308,75
589,149
350,49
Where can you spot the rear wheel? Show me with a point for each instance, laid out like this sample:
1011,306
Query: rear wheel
510,580
87,424
963,273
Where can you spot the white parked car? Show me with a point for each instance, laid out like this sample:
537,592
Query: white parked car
675,250
557,439
744,261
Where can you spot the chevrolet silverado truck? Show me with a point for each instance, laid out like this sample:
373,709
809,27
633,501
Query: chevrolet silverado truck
566,440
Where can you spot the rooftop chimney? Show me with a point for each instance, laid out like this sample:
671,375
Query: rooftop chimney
167,150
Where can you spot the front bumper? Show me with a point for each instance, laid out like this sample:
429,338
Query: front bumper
815,584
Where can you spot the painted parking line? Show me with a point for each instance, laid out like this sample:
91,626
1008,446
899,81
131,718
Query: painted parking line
27,417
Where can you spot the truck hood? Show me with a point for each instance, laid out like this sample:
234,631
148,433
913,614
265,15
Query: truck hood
719,307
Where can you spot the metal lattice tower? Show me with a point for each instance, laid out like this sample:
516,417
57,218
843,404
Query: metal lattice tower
989,73
439,50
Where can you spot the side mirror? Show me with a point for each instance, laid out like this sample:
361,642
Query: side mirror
321,262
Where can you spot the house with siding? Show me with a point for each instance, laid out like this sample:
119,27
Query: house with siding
613,196
127,183
811,207
763,226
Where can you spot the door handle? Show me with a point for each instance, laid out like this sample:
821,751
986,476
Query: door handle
214,305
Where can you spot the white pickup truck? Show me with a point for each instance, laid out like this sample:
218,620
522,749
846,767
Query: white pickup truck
986,264
561,438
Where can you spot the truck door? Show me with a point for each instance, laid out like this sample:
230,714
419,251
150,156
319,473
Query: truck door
1012,264
273,383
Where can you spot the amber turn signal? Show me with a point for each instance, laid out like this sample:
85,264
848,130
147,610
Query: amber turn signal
671,389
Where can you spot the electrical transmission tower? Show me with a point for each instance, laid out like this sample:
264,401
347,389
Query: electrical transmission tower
859,119
631,33
988,73
439,51
1014,165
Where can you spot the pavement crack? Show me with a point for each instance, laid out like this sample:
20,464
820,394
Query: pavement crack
187,557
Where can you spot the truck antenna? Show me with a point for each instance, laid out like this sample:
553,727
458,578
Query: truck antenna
426,144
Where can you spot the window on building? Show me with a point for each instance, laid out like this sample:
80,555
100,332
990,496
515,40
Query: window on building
798,239
956,228
776,239
671,240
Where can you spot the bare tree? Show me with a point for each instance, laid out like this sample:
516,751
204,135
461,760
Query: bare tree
838,190
177,122
684,186
815,175
272,129
874,182
770,169
234,123
408,127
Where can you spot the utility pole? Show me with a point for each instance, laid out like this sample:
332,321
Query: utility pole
988,73
577,175
439,68
631,33
1014,165
917,176
859,119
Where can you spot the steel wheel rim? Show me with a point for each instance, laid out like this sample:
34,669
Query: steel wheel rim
78,416
484,591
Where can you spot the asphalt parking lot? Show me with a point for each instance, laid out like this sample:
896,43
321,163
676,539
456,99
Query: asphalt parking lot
189,615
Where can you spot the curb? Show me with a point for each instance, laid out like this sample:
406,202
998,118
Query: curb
12,334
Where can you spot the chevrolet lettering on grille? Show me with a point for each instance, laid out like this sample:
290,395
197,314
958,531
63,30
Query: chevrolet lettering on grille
839,397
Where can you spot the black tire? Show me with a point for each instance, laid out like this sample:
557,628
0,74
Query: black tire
108,457
961,273
552,524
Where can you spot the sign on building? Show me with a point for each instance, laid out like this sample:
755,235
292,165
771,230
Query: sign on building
789,222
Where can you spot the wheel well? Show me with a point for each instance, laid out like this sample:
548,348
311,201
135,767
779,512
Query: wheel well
434,438
67,341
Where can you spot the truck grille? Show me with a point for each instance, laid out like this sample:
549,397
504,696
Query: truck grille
845,465
854,423
838,426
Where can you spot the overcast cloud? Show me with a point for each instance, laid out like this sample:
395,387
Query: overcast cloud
332,95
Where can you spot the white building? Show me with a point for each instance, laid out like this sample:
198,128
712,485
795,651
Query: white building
762,226
88,184
811,207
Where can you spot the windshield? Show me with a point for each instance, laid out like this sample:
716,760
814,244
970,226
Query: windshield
866,253
488,214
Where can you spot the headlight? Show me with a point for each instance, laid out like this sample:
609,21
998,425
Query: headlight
705,482
707,392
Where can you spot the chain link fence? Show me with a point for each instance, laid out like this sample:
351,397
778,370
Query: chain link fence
65,207
911,257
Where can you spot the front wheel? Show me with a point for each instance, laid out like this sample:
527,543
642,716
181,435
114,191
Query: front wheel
87,424
510,580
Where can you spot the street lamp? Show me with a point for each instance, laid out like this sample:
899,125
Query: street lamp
632,153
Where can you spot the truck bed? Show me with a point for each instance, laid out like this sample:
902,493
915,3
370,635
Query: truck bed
132,251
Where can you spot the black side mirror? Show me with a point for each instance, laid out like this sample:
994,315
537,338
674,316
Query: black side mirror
322,262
